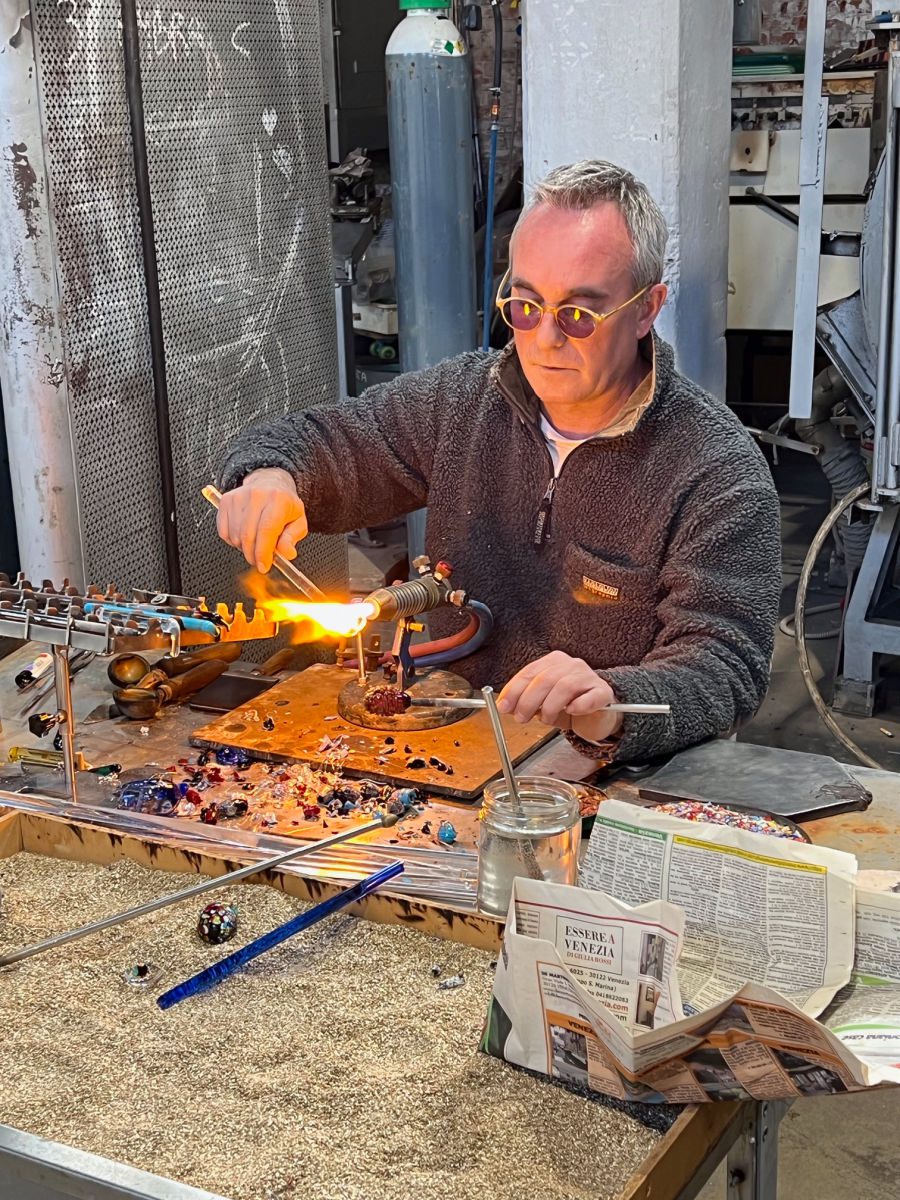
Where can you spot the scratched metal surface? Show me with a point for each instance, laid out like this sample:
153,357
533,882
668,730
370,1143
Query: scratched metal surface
232,94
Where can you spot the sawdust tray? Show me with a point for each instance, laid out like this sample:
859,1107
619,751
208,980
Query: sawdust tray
34,1168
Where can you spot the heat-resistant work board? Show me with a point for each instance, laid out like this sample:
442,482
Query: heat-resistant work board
300,705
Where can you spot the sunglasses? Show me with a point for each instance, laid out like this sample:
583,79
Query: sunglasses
574,320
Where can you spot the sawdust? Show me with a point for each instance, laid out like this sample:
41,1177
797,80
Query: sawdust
332,1068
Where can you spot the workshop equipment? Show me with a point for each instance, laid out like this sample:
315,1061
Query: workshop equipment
144,702
416,670
384,820
287,569
233,342
786,783
227,966
861,337
107,621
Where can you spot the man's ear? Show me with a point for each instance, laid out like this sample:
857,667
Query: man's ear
651,303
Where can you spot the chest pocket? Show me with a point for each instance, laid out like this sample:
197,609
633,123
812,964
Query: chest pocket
611,608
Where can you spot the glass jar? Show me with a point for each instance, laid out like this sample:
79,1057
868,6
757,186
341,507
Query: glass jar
538,839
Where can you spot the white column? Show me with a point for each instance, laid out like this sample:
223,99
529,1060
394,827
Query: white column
646,84
32,374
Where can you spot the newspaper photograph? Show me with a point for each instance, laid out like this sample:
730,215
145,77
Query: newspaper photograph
593,988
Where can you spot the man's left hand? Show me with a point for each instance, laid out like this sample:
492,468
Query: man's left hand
565,692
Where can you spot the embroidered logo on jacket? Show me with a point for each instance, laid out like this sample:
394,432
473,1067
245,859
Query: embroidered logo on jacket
606,590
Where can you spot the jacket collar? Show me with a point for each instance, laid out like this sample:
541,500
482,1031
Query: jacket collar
507,374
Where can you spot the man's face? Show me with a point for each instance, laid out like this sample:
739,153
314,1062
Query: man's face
562,256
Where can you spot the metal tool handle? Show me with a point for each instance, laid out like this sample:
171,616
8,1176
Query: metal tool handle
192,681
292,574
226,652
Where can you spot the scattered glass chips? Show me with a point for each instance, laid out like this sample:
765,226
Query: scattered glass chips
158,797
447,833
735,818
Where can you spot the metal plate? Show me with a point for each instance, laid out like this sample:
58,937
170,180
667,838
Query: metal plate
303,707
743,775
236,149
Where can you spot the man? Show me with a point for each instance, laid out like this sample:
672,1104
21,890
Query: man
618,520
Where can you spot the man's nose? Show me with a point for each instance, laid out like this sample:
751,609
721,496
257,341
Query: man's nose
548,334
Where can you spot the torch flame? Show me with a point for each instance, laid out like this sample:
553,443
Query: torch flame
340,620
311,620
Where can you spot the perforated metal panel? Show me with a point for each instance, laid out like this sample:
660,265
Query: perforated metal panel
236,148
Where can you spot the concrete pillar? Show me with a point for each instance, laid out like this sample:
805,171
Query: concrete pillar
646,85
32,376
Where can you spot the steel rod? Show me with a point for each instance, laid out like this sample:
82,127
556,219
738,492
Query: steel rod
134,90
360,660
291,573
66,720
72,935
474,702
502,748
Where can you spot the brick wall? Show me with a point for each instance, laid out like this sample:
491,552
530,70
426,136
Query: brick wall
784,23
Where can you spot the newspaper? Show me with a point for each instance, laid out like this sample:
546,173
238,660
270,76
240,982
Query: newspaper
866,1015
591,987
771,910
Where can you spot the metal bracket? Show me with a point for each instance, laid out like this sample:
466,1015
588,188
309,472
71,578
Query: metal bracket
752,1165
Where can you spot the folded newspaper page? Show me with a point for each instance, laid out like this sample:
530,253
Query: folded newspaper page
866,1015
591,987
767,910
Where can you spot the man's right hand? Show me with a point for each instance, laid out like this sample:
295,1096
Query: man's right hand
263,515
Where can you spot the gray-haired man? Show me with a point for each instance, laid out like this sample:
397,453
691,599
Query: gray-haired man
617,519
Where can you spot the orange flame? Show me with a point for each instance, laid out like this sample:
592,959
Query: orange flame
340,620
311,620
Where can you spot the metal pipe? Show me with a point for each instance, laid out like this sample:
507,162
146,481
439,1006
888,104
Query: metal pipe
61,939
474,702
892,346
65,717
361,659
134,90
880,465
500,738
292,574
33,381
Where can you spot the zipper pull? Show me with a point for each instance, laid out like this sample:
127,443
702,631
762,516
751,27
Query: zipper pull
542,523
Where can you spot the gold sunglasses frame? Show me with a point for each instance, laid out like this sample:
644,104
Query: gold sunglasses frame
554,309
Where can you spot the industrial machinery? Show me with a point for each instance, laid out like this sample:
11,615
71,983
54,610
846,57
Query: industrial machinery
861,337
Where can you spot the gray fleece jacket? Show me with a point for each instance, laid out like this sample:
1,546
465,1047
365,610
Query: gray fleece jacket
655,556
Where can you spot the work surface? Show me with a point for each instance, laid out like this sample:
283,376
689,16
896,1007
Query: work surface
873,836
440,871
334,1067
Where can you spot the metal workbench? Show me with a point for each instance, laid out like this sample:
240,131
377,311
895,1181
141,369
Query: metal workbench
744,1134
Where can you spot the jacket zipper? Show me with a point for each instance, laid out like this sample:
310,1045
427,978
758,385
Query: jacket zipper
544,512
544,515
